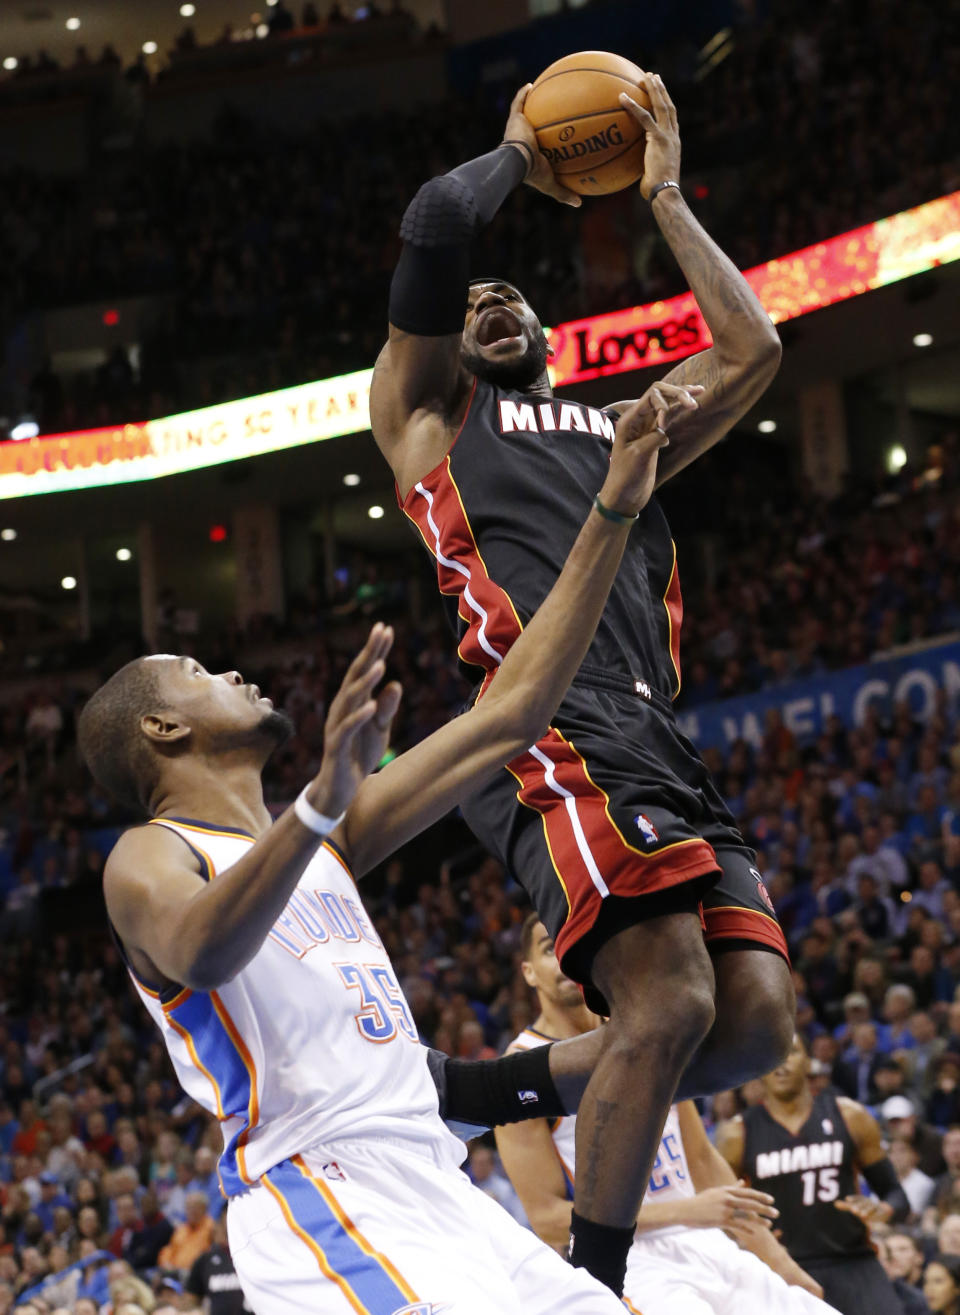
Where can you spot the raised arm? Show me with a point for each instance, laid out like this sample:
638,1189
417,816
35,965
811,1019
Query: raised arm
745,354
420,388
424,783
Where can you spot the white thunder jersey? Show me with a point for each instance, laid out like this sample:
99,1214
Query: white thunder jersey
670,1178
312,1041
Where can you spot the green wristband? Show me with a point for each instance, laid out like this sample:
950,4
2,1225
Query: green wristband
609,514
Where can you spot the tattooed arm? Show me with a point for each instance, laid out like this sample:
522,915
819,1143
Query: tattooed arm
745,354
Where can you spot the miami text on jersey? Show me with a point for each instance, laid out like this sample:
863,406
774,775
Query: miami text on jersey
795,1159
553,417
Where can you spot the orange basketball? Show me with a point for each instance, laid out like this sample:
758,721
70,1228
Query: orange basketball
593,144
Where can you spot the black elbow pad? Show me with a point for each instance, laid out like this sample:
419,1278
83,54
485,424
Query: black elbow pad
443,213
428,295
428,292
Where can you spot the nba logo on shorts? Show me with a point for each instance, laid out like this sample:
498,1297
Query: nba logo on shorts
762,890
647,829
333,1171
425,1308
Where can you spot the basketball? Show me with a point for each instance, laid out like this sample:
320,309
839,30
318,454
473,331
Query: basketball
591,142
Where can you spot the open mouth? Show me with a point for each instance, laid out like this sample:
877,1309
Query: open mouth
497,325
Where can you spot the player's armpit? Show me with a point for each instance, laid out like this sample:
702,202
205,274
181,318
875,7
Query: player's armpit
731,388
534,1167
417,397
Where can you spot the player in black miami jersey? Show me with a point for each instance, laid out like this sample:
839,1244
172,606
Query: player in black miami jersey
806,1151
610,820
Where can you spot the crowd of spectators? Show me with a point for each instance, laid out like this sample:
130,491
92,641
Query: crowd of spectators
857,832
41,68
271,256
805,585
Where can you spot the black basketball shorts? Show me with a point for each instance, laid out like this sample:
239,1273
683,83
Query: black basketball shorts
612,818
855,1285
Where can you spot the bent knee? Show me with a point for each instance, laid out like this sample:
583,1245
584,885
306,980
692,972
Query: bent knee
672,1023
760,1016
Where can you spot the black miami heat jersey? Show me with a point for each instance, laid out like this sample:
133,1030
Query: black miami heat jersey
806,1174
500,514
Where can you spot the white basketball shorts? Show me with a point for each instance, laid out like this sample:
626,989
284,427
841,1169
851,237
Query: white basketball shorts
701,1271
374,1229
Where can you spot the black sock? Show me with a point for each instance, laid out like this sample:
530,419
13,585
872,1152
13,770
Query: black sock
601,1250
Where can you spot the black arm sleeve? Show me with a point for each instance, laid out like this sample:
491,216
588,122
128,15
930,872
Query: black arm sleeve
488,1092
429,288
882,1181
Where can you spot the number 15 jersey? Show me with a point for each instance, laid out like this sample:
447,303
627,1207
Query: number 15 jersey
806,1175
313,1041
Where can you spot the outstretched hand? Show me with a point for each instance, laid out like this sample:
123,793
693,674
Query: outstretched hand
661,158
539,174
642,430
357,729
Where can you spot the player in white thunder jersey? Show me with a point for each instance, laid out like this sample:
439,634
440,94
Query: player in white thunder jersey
278,1004
681,1260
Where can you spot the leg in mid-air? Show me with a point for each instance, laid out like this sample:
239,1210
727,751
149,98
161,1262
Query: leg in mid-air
679,1259
756,1006
753,1018
698,1001
658,981
753,1027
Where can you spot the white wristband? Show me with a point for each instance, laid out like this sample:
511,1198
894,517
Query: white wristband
318,823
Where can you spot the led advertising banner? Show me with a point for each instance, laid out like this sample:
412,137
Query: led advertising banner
271,422
655,334
807,280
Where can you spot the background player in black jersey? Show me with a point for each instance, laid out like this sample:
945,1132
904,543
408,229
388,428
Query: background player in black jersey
806,1151
616,830
213,1278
